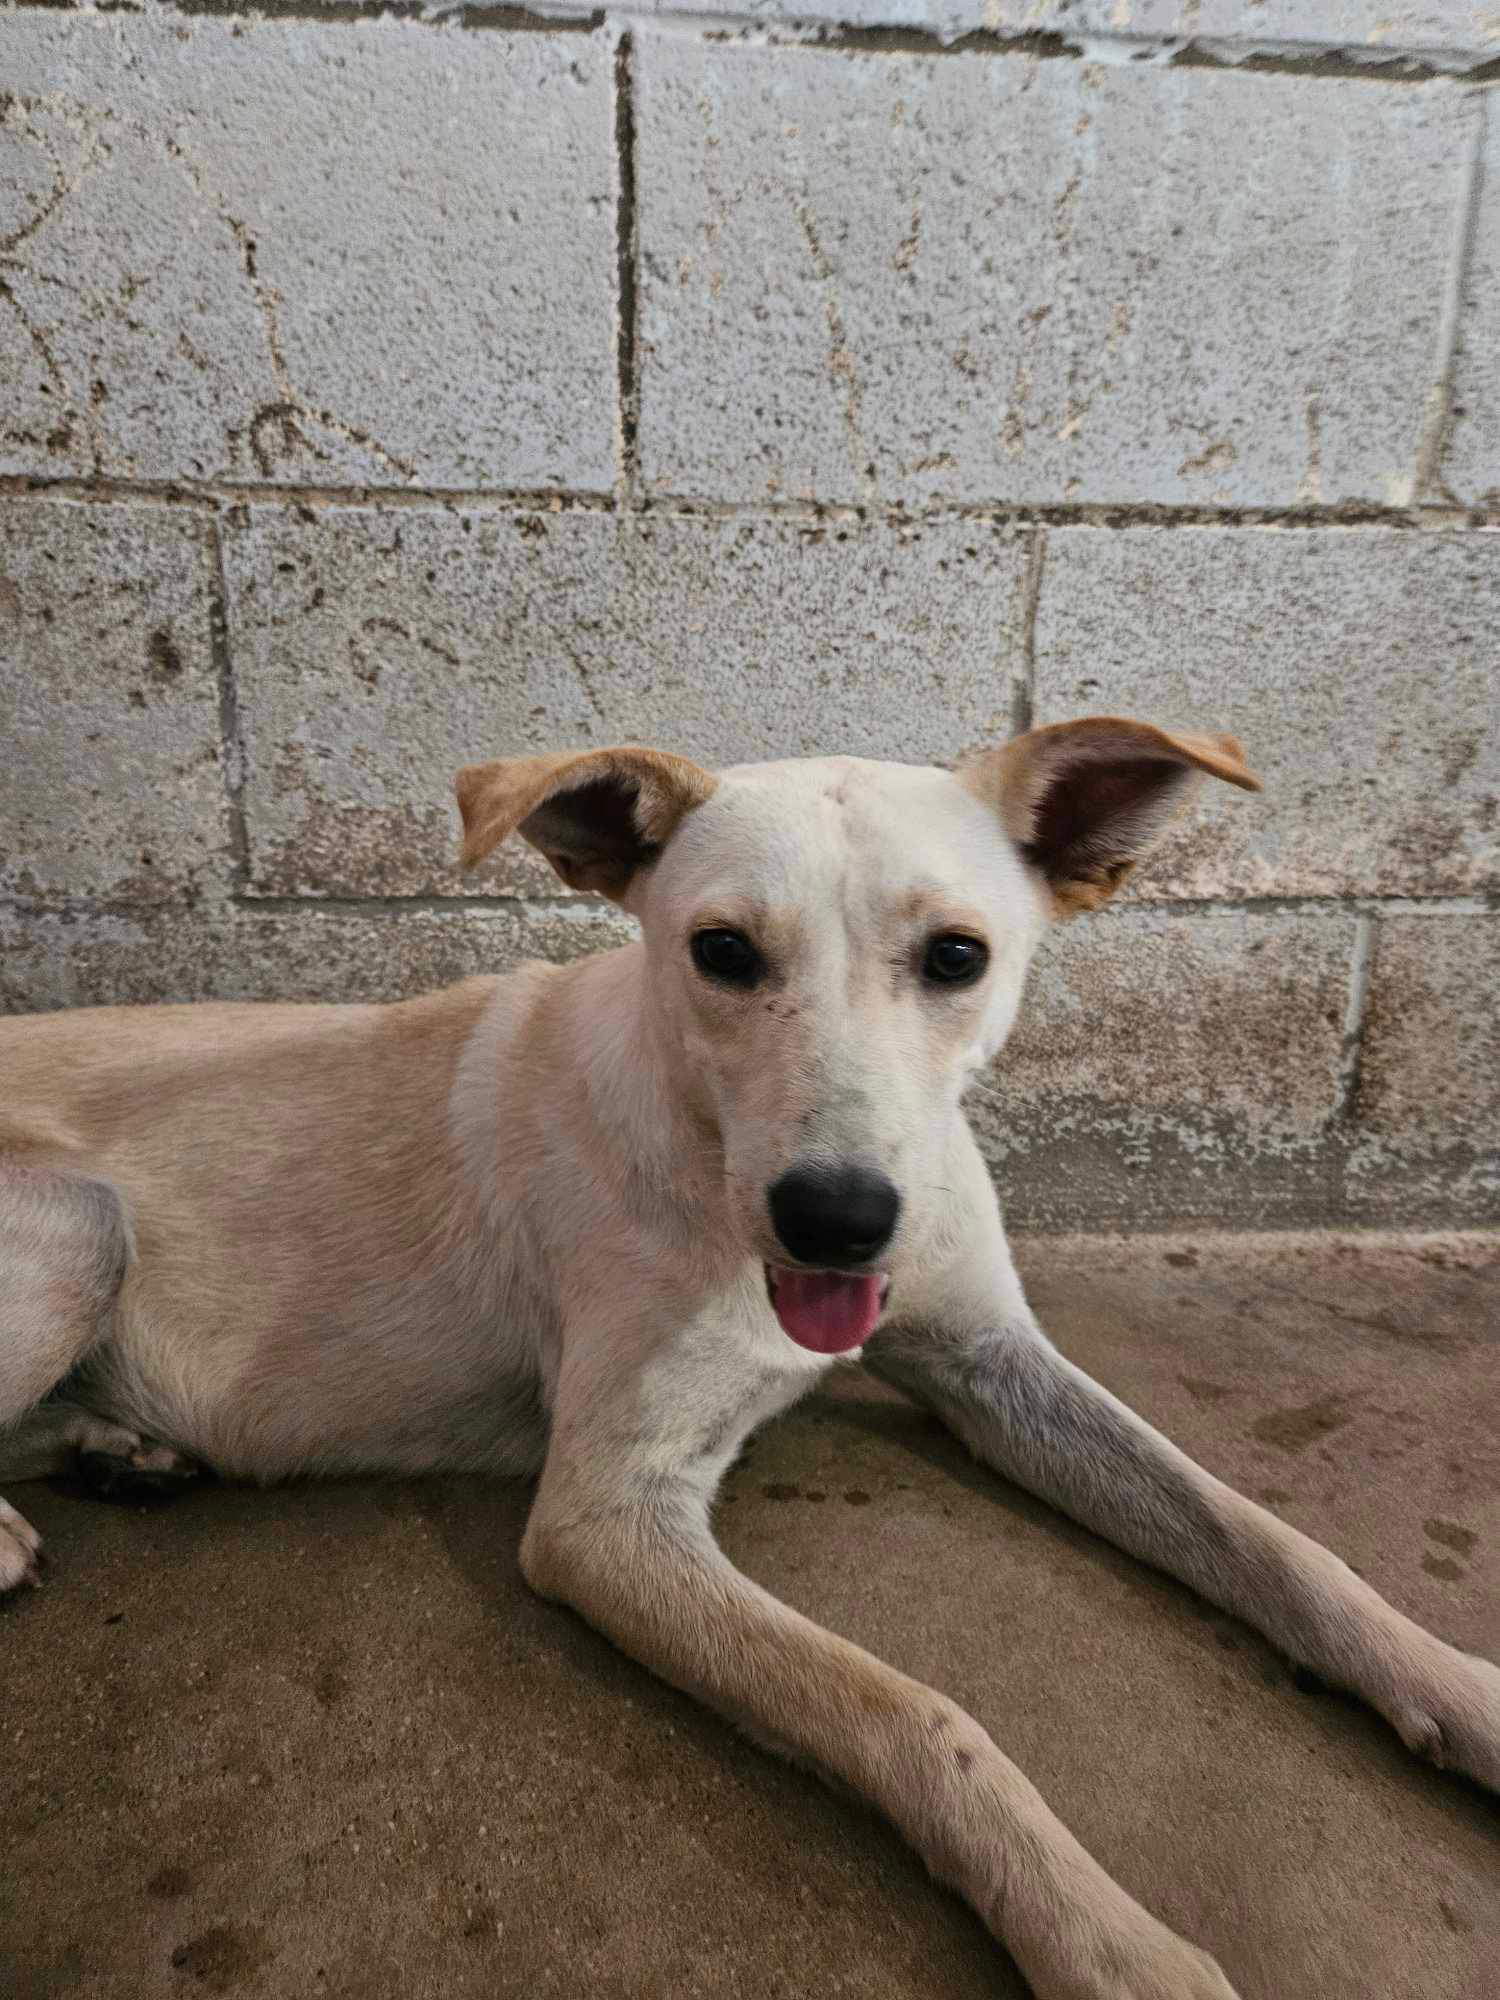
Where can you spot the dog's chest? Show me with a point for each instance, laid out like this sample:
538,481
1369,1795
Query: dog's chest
702,1399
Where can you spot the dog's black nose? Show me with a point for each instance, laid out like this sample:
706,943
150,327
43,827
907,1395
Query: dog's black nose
834,1215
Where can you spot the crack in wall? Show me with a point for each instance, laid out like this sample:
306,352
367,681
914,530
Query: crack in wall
74,409
293,405
1438,418
1023,699
1351,1053
61,186
288,414
842,367
19,116
585,675
231,731
1310,486
627,255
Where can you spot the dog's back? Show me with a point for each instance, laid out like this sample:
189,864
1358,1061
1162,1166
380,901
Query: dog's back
75,1080
92,1080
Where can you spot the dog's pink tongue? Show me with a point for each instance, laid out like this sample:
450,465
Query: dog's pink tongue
824,1311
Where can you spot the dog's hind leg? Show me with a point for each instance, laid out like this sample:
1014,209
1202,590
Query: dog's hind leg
114,1461
64,1245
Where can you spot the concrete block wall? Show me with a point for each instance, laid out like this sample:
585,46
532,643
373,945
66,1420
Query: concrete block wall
382,388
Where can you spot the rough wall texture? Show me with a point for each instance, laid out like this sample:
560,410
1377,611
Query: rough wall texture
381,388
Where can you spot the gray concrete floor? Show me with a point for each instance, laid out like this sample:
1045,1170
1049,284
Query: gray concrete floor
321,1742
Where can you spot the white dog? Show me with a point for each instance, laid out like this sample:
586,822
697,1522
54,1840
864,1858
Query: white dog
599,1222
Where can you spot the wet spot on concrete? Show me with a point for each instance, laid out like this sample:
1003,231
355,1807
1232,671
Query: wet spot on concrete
781,1489
223,1958
1296,1429
1443,1566
329,1685
168,1883
1432,1339
1451,1535
481,1924
1203,1391
856,1496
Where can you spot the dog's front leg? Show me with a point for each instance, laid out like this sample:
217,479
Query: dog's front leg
620,1531
980,1360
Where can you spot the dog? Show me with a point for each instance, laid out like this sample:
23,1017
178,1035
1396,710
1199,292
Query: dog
596,1223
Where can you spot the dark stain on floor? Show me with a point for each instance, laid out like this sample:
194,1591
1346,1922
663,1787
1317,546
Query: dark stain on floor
1450,1534
168,1883
223,1958
1295,1429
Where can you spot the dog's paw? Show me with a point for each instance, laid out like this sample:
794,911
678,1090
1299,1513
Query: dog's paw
1450,1714
20,1550
1166,1969
1125,1954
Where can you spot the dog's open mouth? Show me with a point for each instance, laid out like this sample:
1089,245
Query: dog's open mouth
828,1311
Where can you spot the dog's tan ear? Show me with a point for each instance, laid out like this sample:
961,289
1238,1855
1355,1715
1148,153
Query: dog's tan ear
1085,800
597,815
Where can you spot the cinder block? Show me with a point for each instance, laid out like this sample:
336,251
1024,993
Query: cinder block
1358,666
289,252
109,705
79,959
999,279
377,652
1428,1104
1470,471
1171,1065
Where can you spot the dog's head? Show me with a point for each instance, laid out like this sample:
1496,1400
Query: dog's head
835,946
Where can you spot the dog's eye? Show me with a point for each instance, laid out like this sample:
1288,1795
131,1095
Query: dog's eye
954,960
727,956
